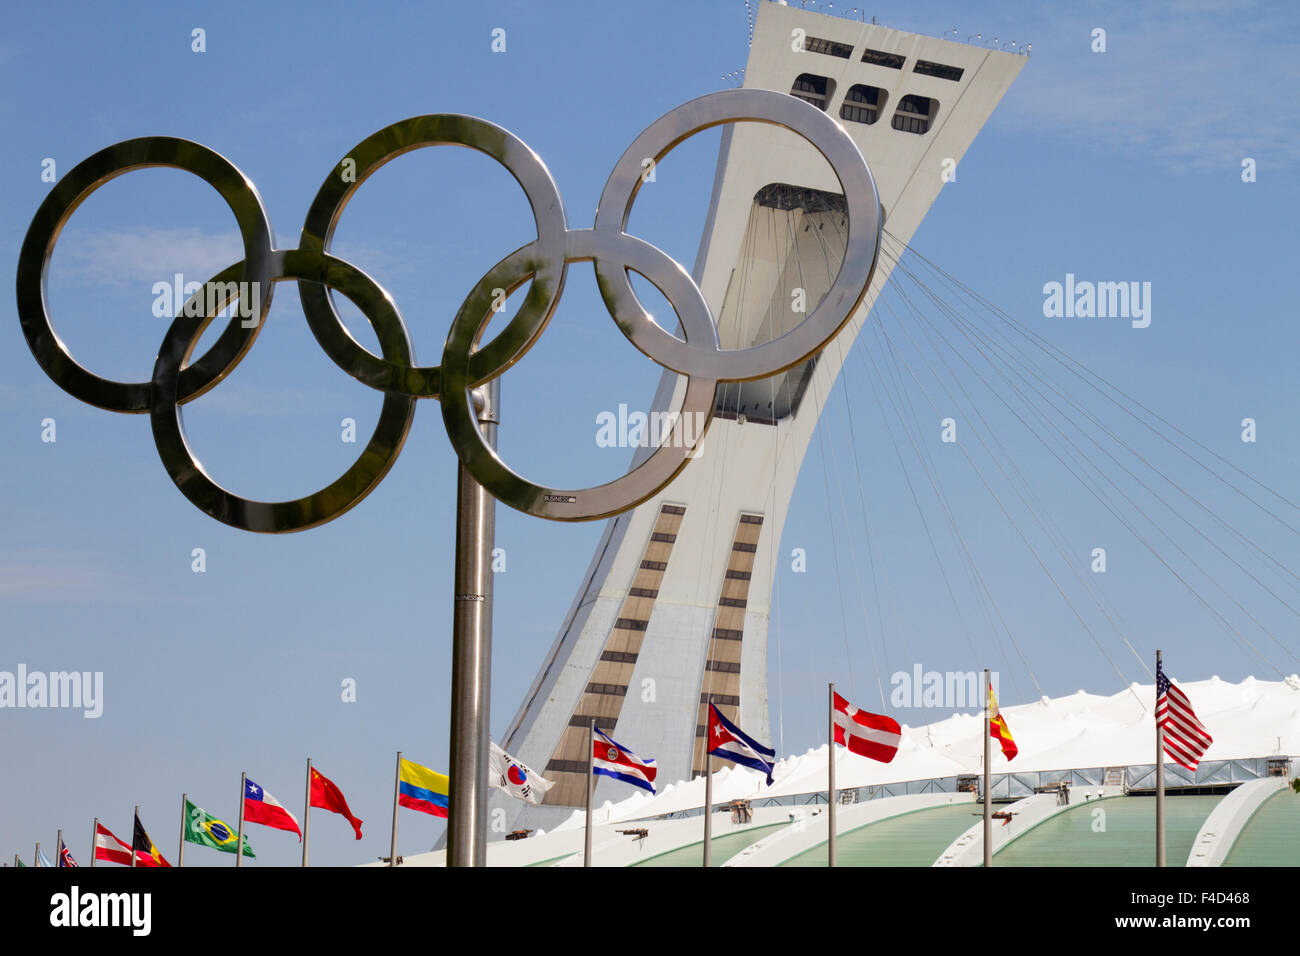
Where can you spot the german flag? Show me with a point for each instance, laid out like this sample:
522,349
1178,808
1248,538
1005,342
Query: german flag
998,729
146,854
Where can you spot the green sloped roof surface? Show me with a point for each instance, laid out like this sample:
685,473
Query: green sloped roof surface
1116,832
723,848
912,839
1272,836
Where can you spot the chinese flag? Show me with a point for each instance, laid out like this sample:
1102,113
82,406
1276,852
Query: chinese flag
327,796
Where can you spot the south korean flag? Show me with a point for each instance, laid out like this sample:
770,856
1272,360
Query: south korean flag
508,774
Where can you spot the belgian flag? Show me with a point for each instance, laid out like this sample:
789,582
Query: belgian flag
146,854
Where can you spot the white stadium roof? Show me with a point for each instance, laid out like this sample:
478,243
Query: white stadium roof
1247,720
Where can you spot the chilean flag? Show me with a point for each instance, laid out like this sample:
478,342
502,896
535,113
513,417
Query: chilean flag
611,759
868,735
261,807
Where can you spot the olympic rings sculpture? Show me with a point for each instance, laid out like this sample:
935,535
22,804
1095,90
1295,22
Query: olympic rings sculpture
466,364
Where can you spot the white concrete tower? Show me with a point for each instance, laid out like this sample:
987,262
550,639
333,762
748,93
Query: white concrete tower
673,610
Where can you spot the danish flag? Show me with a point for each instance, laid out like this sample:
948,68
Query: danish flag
868,735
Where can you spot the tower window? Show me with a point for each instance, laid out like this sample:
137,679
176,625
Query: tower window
941,70
892,60
862,104
816,90
915,114
829,47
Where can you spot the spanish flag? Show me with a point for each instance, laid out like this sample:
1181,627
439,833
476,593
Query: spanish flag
998,729
146,854
420,788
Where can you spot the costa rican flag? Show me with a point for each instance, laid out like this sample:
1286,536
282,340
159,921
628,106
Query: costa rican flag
868,735
728,741
611,759
1185,738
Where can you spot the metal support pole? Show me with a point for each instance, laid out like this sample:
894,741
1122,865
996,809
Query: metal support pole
239,846
180,850
988,775
471,666
591,777
830,780
397,793
1160,781
708,803
58,850
94,842
306,814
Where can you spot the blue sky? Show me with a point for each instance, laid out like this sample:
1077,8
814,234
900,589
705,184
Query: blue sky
1117,166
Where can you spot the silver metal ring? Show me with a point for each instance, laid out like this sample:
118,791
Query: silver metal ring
82,180
543,263
369,155
845,293
688,423
354,484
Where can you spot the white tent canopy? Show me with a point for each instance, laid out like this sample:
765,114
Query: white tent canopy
1251,719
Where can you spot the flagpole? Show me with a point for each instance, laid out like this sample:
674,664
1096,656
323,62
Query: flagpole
397,790
180,851
58,850
94,842
591,776
830,781
36,856
988,775
1160,781
306,814
471,662
239,847
708,802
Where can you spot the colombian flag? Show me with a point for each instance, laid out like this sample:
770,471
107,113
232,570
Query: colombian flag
998,729
420,788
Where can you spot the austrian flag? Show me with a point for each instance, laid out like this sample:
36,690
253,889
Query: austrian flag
868,735
261,807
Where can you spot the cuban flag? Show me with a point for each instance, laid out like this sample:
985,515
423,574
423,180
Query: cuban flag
729,742
261,807
611,759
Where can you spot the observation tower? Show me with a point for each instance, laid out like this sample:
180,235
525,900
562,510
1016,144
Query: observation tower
673,611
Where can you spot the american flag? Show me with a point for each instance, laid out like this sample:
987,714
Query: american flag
65,856
1186,738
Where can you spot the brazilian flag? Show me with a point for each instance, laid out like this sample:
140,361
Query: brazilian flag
206,830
